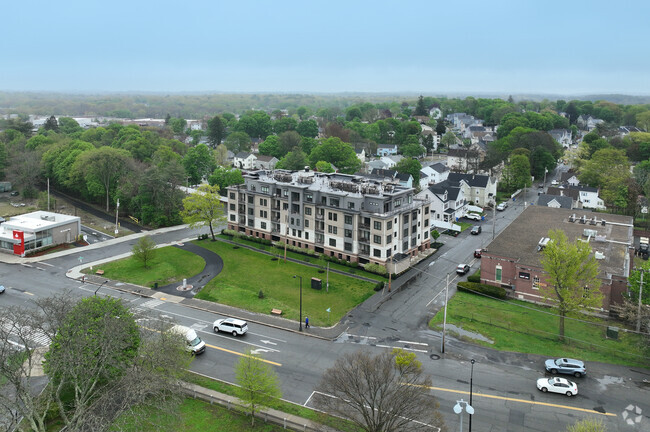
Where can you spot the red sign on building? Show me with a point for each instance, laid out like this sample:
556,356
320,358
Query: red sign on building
19,248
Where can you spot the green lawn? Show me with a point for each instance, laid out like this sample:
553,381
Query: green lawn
247,272
192,415
169,265
530,330
309,259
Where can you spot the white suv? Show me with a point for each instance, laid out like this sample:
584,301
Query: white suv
230,325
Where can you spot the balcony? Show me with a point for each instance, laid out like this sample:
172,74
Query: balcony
320,216
365,226
364,240
319,240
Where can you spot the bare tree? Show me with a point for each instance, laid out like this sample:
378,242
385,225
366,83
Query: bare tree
383,393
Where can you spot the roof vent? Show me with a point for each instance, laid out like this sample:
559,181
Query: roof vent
599,255
542,243
572,218
589,232
602,222
583,219
593,221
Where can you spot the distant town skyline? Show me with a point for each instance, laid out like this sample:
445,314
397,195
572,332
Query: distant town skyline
498,47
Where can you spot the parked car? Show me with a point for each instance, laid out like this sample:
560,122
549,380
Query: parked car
502,206
555,183
2,289
557,385
566,366
230,325
476,230
473,216
477,253
462,269
14,193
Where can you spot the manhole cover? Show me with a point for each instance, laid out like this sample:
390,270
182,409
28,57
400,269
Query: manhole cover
185,288
434,357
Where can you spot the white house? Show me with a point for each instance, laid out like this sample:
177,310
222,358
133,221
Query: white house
562,136
244,160
433,174
478,189
386,149
589,197
265,162
361,154
391,161
447,204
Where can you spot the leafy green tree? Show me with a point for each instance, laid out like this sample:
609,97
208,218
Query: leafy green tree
410,166
572,112
400,399
572,276
284,124
216,131
440,127
353,113
198,163
338,153
238,141
95,345
177,125
308,128
520,171
448,139
294,160
51,124
303,112
221,155
271,147
326,167
224,177
307,144
413,150
258,383
643,121
203,207
144,250
69,126
607,169
257,124
541,160
420,108
288,140
101,168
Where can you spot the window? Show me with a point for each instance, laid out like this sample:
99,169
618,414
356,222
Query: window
334,202
426,234
233,218
347,247
389,239
377,225
426,210
498,273
263,202
426,223
306,235
331,229
263,225
232,207
285,206
348,219
535,283
265,189
348,233
397,202
251,199
406,232
389,225
376,239
405,219
405,246
333,242
251,211
264,214
351,205
309,197
232,195
285,192
308,211
332,216
388,252
293,232
306,223
376,252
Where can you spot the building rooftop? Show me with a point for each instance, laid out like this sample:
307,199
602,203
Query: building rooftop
520,239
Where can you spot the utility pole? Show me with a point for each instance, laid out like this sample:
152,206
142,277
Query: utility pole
494,218
48,194
444,320
638,312
117,213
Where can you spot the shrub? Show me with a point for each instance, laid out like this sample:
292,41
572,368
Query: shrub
489,290
376,268
435,234
260,294
476,277
379,286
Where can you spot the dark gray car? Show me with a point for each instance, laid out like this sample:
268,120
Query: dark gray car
566,366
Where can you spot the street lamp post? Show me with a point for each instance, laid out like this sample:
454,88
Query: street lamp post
458,409
471,378
300,321
98,288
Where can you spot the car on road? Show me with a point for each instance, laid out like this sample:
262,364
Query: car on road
555,183
473,216
566,366
462,269
557,385
2,289
502,206
230,325
476,230
14,193
478,253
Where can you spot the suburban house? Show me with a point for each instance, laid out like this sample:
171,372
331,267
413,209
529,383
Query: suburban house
464,159
555,201
244,160
405,179
589,197
36,230
350,217
392,160
562,136
433,174
447,204
570,178
588,122
429,133
478,189
513,259
564,192
435,113
626,130
361,154
386,149
376,164
265,162
462,121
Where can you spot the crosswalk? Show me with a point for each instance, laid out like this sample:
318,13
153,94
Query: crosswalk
35,337
151,304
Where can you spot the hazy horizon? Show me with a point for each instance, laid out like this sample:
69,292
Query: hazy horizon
415,47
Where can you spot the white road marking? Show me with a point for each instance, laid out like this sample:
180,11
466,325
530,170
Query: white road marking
412,343
434,298
268,342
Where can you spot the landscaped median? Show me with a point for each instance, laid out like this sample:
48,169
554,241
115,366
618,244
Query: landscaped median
518,326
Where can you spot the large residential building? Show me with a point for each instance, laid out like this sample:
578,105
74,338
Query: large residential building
513,259
349,217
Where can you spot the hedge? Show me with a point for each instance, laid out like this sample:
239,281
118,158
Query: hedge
476,277
489,290
376,269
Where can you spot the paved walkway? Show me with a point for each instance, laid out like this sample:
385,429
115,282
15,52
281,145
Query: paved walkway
213,266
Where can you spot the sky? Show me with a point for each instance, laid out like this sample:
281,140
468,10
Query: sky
429,47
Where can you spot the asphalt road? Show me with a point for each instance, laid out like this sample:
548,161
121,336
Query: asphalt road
504,393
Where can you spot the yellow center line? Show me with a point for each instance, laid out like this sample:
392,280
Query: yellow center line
474,394
242,354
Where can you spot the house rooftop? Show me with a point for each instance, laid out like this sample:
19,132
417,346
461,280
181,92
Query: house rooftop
520,239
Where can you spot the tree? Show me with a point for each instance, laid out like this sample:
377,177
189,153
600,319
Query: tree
216,131
520,171
440,127
587,425
178,125
448,139
338,153
410,166
258,383
203,207
607,169
101,168
238,142
224,177
573,282
294,160
326,167
288,140
271,147
420,108
69,126
308,128
144,250
284,124
383,393
198,163
51,124
221,154
413,150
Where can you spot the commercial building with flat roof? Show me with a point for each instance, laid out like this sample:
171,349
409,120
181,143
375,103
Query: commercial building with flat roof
36,230
513,259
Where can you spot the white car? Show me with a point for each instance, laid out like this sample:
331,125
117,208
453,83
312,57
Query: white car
2,289
502,206
557,385
473,216
230,325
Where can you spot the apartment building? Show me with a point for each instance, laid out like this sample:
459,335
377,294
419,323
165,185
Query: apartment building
350,217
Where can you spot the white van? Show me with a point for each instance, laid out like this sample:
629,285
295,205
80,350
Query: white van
230,325
194,343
